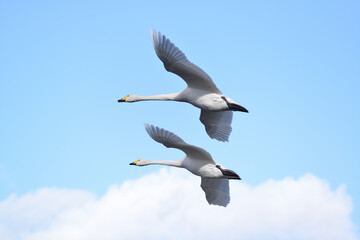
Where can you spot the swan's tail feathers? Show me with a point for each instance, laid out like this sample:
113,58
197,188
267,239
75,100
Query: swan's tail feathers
168,53
168,139
217,191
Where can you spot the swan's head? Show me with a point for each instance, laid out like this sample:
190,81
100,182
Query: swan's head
128,98
139,162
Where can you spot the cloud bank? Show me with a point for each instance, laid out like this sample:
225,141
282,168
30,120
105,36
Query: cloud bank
170,204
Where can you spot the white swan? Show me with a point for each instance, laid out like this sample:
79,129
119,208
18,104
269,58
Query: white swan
214,178
216,109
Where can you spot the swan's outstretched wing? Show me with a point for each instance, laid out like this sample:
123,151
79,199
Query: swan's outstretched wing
217,124
216,191
170,140
176,62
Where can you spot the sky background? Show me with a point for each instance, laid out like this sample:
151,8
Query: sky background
64,65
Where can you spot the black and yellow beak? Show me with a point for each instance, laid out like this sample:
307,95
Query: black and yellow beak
134,163
123,99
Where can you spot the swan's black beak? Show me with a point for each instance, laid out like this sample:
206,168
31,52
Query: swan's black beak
134,163
123,99
229,174
236,107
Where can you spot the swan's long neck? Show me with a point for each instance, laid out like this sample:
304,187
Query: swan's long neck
164,162
161,97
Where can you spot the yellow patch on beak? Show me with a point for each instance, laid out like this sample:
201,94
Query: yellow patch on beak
123,99
134,163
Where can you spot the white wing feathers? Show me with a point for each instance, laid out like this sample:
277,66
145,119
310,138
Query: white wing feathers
217,124
170,140
168,53
216,191
176,62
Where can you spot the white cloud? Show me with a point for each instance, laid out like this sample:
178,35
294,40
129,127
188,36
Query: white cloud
170,204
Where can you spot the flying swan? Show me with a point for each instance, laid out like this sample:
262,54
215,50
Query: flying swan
201,91
214,178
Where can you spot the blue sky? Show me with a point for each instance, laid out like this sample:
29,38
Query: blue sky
293,65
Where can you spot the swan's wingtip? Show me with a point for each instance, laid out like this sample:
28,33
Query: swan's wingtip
154,38
147,126
219,204
220,138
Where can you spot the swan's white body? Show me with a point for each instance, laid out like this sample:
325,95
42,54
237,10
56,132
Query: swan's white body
216,109
214,178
